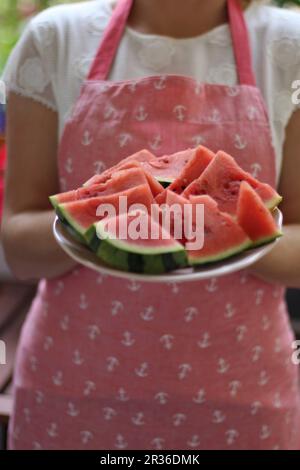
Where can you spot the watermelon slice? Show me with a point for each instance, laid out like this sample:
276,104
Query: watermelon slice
236,214
221,180
255,219
195,166
161,197
168,167
155,186
81,215
200,159
106,175
173,198
141,156
176,202
117,182
151,256
223,237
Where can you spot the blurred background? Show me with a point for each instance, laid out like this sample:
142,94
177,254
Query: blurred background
15,297
15,13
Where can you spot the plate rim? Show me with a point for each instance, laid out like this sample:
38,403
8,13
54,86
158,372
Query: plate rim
218,269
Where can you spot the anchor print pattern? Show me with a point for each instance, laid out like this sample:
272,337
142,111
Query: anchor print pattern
180,112
86,139
160,84
255,169
99,167
154,367
141,114
155,142
124,119
124,138
166,337
139,415
198,140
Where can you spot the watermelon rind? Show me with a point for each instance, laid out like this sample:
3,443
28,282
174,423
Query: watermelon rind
60,212
54,200
165,182
273,202
135,258
74,234
193,261
64,215
80,233
266,240
92,238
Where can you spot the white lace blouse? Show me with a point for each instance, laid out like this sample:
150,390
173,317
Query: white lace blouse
55,52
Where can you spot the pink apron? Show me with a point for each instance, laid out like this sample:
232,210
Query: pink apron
105,363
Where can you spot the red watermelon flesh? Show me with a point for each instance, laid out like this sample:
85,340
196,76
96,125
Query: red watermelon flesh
82,214
168,167
223,237
141,156
222,179
254,217
173,198
178,202
162,239
161,197
118,181
193,169
104,177
155,186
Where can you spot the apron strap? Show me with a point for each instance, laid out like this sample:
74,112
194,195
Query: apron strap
112,36
241,43
110,41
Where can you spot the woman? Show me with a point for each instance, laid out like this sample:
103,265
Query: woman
111,364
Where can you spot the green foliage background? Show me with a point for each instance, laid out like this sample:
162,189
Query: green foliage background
15,13
13,16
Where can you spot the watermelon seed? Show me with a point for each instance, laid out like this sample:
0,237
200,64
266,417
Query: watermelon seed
207,230
199,192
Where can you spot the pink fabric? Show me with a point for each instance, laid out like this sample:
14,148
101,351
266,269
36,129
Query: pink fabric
110,42
241,44
104,363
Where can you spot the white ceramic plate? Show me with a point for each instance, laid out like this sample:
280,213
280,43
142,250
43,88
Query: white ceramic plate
84,256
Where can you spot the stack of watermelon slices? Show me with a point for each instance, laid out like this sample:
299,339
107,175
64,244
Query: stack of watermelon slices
237,210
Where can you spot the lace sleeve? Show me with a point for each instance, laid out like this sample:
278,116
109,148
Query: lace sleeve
30,66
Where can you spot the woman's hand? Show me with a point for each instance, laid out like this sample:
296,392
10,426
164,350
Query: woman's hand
31,177
282,264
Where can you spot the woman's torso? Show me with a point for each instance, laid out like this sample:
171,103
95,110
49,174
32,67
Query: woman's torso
95,344
63,40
